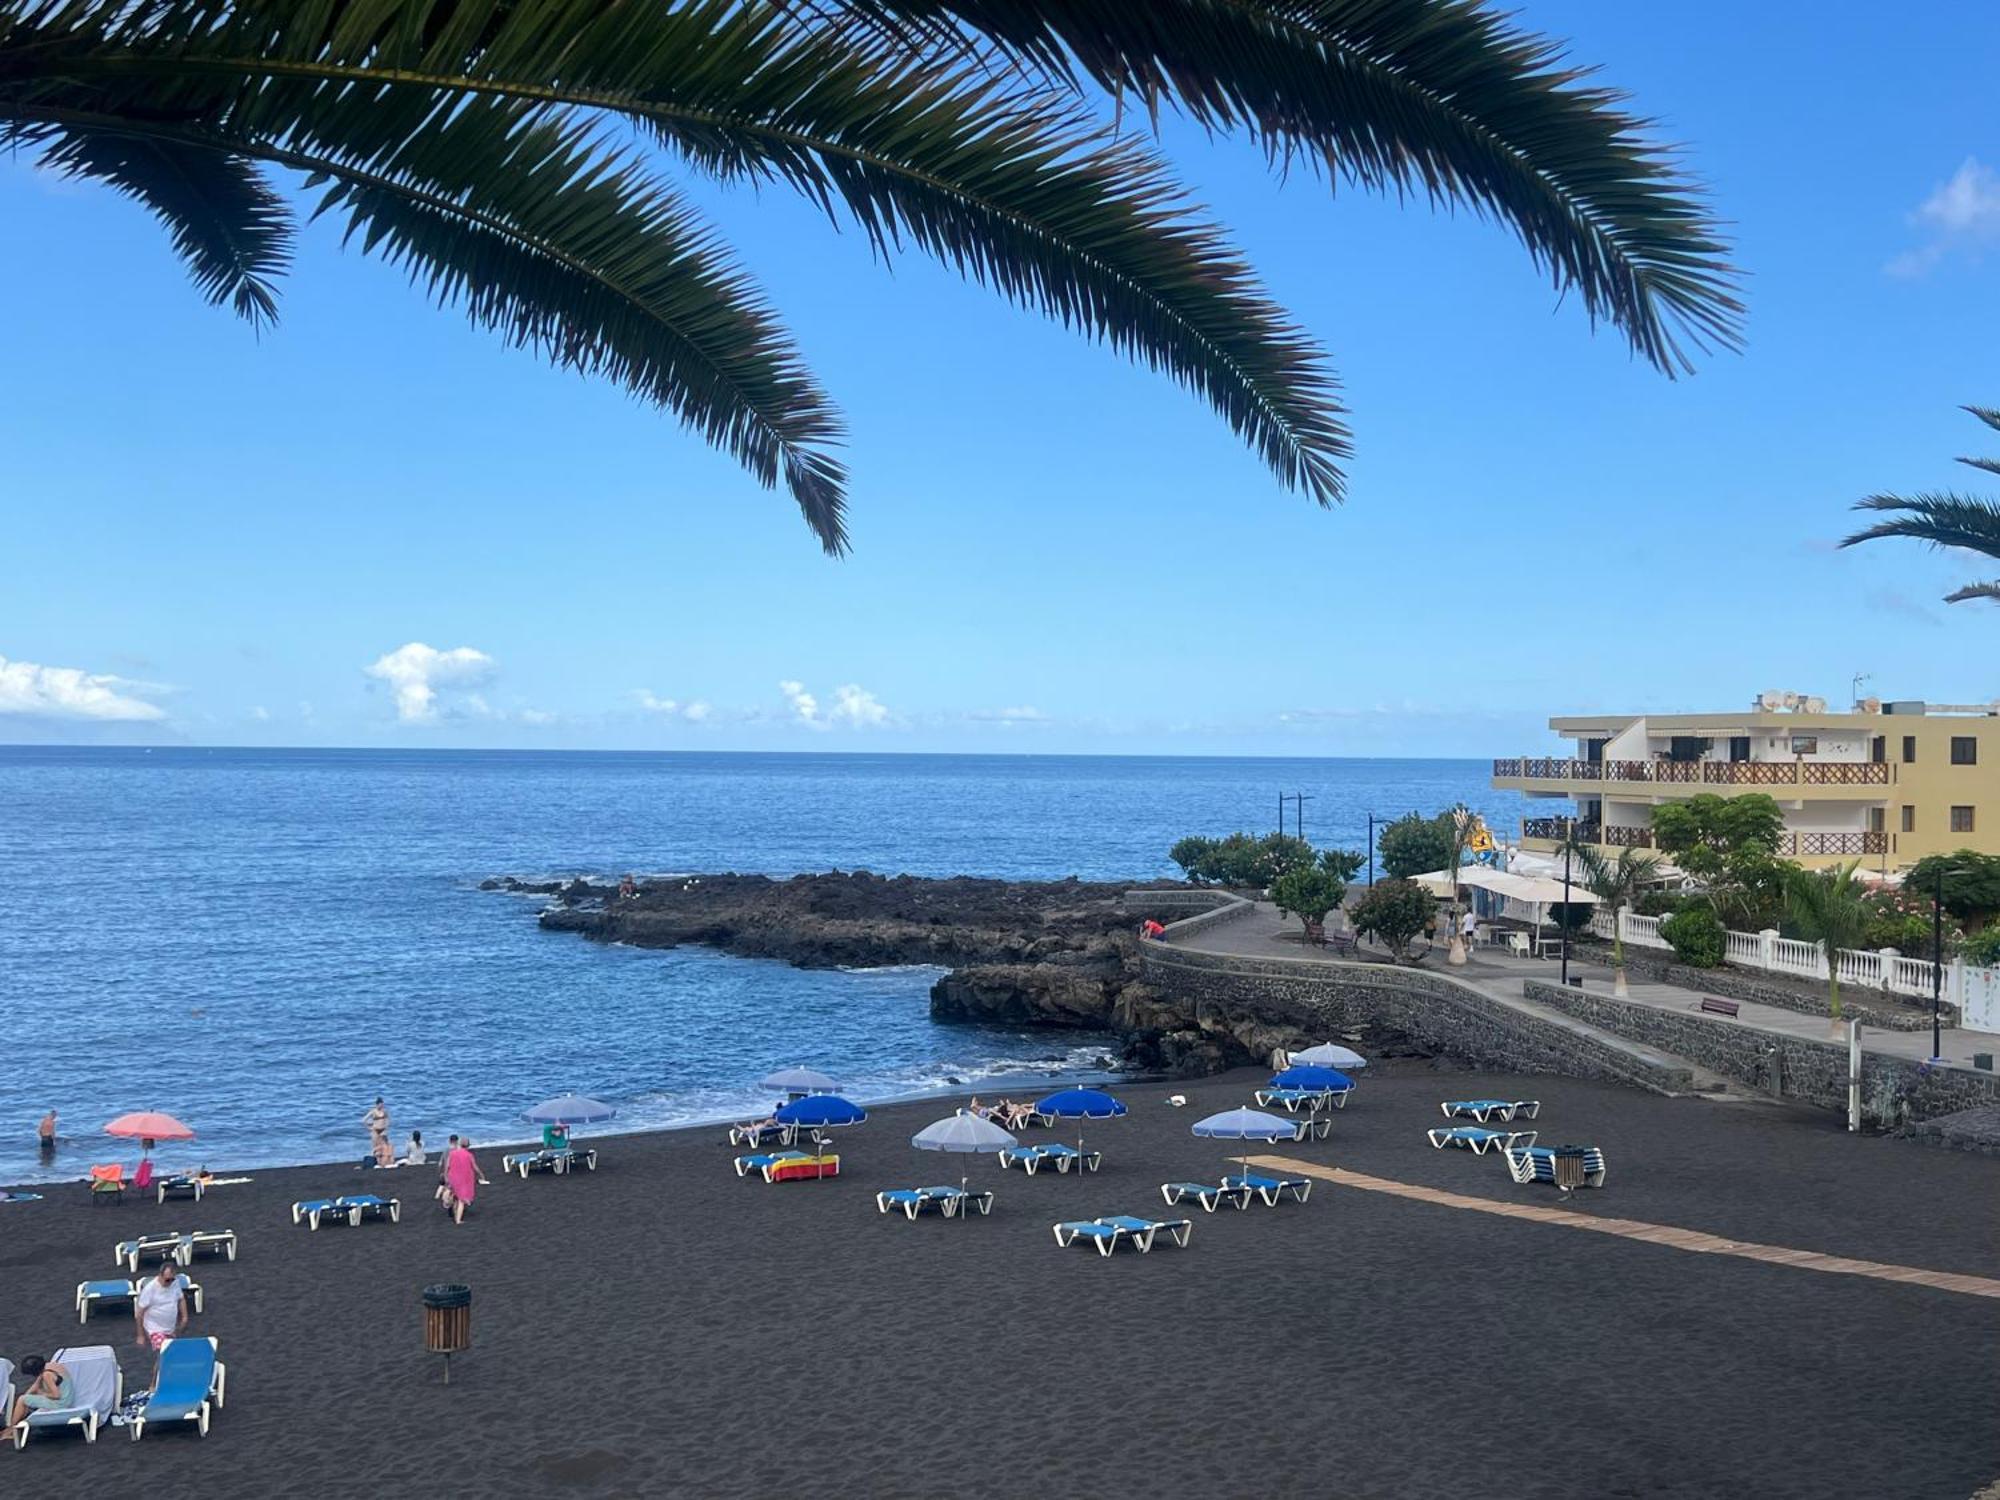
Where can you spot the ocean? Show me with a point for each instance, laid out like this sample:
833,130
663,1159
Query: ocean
262,941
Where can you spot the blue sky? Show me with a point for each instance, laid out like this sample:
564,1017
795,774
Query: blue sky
375,525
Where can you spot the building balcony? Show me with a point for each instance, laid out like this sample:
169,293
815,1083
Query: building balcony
1691,775
1793,844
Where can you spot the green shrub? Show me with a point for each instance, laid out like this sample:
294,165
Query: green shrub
1415,845
1697,936
1394,912
1983,948
1658,903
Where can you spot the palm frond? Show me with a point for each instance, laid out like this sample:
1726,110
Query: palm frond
1443,96
1023,193
1974,591
1990,415
1941,518
233,232
1984,465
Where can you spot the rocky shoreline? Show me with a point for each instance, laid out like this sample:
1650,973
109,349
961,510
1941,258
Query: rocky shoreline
1061,954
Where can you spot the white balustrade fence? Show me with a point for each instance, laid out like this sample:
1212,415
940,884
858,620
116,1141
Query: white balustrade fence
1975,991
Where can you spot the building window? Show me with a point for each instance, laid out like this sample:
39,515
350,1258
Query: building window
1805,744
1909,749
1964,750
1961,820
1909,820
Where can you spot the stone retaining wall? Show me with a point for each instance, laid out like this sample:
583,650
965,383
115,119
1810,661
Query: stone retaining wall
1807,998
1893,1089
1442,1014
1211,908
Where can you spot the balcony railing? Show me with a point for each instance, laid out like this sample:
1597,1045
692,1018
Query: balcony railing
1622,836
1702,772
1558,828
1804,843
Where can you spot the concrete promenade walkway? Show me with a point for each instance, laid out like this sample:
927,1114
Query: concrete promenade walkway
1264,933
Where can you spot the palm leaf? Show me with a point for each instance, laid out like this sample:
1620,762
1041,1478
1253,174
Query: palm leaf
1941,518
234,233
1443,96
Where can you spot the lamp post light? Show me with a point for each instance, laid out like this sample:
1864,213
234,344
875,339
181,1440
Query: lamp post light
1371,851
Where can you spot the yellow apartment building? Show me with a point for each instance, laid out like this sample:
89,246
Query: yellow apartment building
1886,783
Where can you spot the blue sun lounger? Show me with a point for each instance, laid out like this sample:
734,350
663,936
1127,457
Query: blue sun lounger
1062,1158
192,1380
1311,1100
181,1184
947,1200
558,1160
91,1295
1208,1194
752,1133
1484,1110
129,1253
1477,1138
97,1386
1144,1232
1272,1189
1538,1164
220,1242
764,1161
349,1210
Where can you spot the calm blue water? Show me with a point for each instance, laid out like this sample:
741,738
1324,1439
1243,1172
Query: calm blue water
262,941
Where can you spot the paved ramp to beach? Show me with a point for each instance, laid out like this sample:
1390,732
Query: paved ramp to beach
1756,1304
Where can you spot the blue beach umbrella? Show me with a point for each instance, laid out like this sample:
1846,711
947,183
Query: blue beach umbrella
570,1109
1307,1077
963,1135
1080,1105
1247,1125
820,1112
799,1081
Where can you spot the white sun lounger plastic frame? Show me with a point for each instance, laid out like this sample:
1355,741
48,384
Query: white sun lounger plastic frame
1538,1164
1485,1110
91,1295
1048,1154
99,1387
949,1201
1209,1195
1478,1139
200,1389
1273,1190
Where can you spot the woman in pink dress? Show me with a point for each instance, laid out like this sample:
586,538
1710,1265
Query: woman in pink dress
462,1178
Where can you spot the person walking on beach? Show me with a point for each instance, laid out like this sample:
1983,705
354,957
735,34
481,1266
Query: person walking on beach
45,1134
49,1388
462,1178
160,1310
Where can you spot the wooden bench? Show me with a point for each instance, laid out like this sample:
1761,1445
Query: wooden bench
1716,1006
1343,943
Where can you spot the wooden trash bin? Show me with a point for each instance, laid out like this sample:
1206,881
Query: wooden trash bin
1567,1163
447,1322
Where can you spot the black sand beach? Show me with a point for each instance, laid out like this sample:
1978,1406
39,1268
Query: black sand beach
662,1327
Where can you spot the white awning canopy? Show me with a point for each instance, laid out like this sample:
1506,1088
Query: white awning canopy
1533,889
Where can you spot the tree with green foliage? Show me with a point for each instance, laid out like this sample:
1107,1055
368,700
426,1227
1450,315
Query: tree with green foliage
1415,845
1730,845
1697,936
1242,861
1944,518
1393,912
1829,907
1308,893
1616,883
506,154
1342,864
1970,881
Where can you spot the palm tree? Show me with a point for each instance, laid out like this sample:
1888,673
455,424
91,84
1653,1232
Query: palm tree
515,157
1616,883
1945,518
1828,907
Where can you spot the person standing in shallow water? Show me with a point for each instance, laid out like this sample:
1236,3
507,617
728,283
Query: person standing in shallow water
45,1134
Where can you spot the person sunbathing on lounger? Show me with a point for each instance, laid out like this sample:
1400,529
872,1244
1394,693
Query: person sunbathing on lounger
49,1389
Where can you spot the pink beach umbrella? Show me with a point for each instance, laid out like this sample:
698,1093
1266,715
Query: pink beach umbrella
149,1125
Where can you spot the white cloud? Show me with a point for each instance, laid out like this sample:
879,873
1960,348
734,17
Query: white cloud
72,693
1020,715
857,706
418,673
695,711
260,713
803,703
536,716
1961,214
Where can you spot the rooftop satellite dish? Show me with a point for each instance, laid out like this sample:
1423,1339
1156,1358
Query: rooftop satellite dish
1770,703
1814,705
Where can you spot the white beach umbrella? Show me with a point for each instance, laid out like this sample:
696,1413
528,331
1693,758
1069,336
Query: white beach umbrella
963,1135
1328,1055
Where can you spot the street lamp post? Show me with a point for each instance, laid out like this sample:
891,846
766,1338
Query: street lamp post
1569,843
1371,851
1937,962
